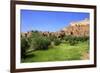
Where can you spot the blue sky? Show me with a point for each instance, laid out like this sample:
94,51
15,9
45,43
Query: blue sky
48,20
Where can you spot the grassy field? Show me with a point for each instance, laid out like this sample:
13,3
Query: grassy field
62,52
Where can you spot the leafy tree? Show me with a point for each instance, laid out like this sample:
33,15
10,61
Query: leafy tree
40,43
72,40
57,41
24,47
72,43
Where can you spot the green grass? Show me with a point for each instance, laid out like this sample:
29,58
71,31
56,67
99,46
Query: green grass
62,52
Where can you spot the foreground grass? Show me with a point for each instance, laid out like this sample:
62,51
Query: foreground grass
61,52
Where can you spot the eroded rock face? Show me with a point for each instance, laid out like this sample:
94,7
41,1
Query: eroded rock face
80,28
82,22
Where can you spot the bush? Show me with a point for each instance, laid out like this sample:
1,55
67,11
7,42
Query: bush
67,38
40,43
24,47
72,43
72,40
35,34
57,41
52,38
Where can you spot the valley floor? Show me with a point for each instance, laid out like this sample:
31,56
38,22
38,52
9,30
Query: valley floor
62,52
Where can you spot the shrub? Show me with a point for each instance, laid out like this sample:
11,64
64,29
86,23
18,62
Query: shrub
24,47
72,43
40,43
72,40
52,38
67,38
81,38
57,41
35,34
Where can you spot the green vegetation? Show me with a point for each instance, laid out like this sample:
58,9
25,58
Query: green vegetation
24,47
75,40
58,53
39,48
57,41
40,43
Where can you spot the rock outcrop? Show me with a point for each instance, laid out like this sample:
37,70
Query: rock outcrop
80,28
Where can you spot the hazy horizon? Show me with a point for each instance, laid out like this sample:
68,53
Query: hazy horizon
51,21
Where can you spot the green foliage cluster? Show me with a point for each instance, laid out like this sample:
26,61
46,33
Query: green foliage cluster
52,38
73,40
24,46
40,43
35,42
57,41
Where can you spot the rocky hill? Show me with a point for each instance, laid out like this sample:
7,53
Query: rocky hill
80,28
